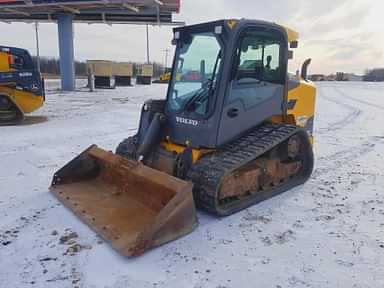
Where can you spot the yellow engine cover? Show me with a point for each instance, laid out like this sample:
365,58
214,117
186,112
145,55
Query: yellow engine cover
301,105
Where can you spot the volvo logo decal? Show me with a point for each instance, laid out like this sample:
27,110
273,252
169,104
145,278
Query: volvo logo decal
187,121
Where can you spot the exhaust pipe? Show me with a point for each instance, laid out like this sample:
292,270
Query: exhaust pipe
304,69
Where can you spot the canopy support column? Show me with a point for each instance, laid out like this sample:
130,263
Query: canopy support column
67,64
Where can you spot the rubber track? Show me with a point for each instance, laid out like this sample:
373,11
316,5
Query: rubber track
208,172
13,121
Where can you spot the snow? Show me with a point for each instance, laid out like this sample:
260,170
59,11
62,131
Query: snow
326,233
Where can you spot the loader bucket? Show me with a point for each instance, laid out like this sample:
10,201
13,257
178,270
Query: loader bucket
132,206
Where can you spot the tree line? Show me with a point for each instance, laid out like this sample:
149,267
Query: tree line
374,75
51,66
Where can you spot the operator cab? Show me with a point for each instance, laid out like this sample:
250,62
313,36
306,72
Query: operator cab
226,74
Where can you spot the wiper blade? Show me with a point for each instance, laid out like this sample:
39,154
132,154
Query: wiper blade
208,84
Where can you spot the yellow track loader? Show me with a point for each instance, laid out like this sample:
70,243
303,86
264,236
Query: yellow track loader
21,85
236,133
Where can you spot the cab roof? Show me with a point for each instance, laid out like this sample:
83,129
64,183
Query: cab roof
292,35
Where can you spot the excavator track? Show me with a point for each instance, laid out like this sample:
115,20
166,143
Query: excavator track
210,173
10,114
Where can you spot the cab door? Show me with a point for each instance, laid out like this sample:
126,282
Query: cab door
257,83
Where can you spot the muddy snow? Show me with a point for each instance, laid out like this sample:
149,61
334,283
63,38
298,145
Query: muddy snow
326,233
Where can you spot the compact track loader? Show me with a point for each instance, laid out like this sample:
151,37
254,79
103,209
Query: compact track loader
21,85
237,133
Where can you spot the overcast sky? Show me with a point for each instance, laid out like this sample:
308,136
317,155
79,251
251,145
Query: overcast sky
339,35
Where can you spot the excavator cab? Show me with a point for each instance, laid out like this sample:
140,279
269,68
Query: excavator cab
21,85
233,130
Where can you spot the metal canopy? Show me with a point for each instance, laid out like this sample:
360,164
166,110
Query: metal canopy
102,11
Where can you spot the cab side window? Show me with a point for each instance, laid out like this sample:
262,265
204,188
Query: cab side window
258,69
258,58
18,62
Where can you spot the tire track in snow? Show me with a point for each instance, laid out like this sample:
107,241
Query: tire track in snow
341,158
344,157
345,95
10,232
347,120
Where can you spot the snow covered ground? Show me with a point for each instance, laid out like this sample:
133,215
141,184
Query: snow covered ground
327,233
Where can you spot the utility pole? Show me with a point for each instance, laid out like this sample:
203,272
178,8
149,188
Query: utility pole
147,44
37,45
166,58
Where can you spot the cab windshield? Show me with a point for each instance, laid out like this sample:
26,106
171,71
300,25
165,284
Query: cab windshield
197,65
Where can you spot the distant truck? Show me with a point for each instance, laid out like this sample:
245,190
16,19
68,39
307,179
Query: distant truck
144,74
123,72
102,74
191,76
